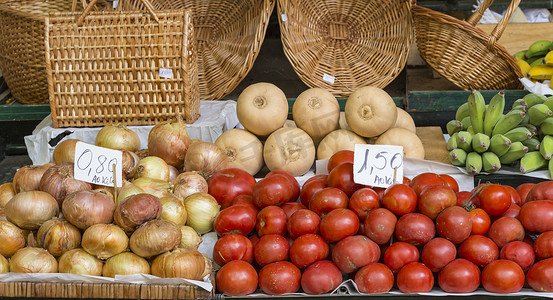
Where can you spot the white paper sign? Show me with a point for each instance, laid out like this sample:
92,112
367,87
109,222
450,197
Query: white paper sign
95,164
328,78
378,165
165,73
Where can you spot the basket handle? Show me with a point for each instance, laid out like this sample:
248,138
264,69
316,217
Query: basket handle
87,10
477,15
498,30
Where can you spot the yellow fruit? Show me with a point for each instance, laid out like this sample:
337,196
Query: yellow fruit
523,65
548,59
541,72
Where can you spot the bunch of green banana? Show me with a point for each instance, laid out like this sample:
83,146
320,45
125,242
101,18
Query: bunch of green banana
483,137
536,62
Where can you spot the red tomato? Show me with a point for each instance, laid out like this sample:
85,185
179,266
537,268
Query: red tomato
354,252
433,199
513,211
321,277
437,253
279,278
451,182
272,190
544,245
379,225
454,223
338,158
302,222
270,248
419,182
291,207
327,200
464,199
459,276
338,224
494,199
342,177
519,252
478,249
480,221
271,220
239,219
363,201
236,278
415,228
243,199
537,216
231,247
254,238
539,276
400,199
505,230
502,276
406,180
293,181
374,278
399,254
523,190
515,197
226,184
307,249
311,186
541,191
415,277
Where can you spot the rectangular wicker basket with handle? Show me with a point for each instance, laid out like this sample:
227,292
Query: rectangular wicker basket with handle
130,67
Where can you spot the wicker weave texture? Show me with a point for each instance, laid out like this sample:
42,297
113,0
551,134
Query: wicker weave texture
464,54
355,42
109,69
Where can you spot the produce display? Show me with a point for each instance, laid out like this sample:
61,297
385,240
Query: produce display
536,62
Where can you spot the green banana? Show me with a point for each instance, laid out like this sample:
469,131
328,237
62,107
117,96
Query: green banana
480,142
550,167
546,127
499,144
533,99
466,123
518,134
458,157
470,129
533,129
508,121
464,140
453,126
549,102
490,162
477,107
538,113
452,142
532,59
494,111
520,54
533,144
532,161
538,48
519,104
473,164
537,62
516,152
462,112
546,147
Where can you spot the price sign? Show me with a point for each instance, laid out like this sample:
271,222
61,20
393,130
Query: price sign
378,165
95,164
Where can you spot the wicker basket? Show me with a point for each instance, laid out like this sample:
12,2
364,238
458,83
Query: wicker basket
229,34
344,45
127,67
464,54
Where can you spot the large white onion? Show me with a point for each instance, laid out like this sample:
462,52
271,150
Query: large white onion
317,112
12,238
204,158
173,210
78,261
118,137
155,237
27,178
152,167
33,260
188,183
243,150
202,210
104,240
30,209
182,262
338,140
289,149
58,236
7,191
126,263
169,140
65,151
86,208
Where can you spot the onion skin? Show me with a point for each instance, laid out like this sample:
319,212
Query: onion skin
59,182
136,210
158,188
27,178
205,158
78,261
12,238
152,167
202,209
58,236
155,237
30,209
65,151
188,183
182,263
118,137
33,260
86,208
7,192
190,238
104,240
173,210
130,161
4,265
170,141
126,263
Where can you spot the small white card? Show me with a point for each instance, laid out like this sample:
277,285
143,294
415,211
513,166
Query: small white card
378,165
95,164
165,73
328,78
115,4
284,17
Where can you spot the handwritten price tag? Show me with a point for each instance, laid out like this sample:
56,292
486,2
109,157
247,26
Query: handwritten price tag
95,164
378,165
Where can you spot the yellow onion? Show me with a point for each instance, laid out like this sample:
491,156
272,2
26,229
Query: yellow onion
142,153
205,158
202,209
59,182
190,238
152,167
33,260
155,237
126,263
104,240
136,210
65,151
170,141
2,215
30,209
173,173
118,137
78,261
30,238
173,210
4,265
183,263
128,189
27,178
58,236
130,161
158,188
105,190
12,238
208,268
86,208
188,183
7,191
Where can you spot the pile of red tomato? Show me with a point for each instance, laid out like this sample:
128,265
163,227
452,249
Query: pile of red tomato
414,236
